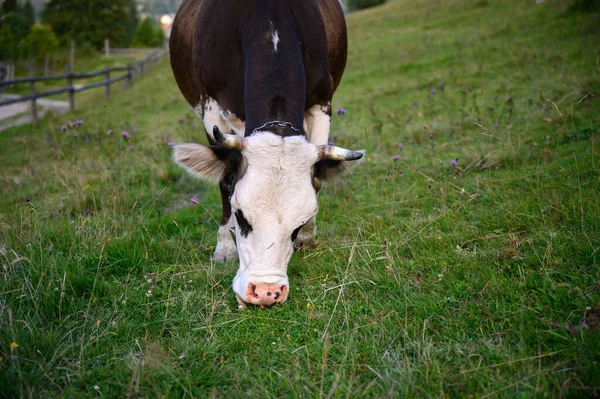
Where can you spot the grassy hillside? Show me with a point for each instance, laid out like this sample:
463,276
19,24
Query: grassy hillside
461,259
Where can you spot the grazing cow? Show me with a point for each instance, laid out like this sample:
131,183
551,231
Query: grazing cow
261,74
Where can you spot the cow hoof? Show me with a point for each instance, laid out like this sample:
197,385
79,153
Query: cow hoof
265,295
241,304
303,245
225,253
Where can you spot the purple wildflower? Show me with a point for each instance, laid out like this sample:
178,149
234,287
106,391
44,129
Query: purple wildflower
172,144
62,129
335,138
341,111
78,122
562,71
126,135
109,132
454,162
470,88
433,91
195,199
400,146
401,174
75,134
396,157
331,143
131,147
496,124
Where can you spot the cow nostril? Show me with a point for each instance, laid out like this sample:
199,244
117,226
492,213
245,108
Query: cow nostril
269,293
277,294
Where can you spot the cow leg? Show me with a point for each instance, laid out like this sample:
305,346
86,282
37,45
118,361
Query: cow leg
317,123
226,248
306,236
211,114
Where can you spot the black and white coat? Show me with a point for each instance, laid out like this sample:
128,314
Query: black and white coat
261,75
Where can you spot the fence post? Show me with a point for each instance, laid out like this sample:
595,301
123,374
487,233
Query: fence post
71,92
129,76
107,47
107,87
72,60
34,114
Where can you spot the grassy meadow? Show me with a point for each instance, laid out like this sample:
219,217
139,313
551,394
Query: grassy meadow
460,259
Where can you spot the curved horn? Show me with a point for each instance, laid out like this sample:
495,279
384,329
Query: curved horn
338,154
227,140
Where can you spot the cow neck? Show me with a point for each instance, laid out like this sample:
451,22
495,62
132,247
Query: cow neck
274,76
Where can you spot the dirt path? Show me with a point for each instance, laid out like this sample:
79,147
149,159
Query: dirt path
22,111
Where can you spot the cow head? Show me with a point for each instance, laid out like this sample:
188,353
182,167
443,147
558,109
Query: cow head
272,183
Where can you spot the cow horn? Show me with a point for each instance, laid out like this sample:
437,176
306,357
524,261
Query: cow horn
227,140
334,153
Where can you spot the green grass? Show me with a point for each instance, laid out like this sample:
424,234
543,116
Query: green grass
430,280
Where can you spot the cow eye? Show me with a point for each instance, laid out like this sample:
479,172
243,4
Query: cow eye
295,232
245,227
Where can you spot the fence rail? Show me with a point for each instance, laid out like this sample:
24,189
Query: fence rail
128,52
131,71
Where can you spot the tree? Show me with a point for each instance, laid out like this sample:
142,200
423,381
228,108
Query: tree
10,6
354,5
18,23
91,21
148,34
132,20
29,12
8,44
40,41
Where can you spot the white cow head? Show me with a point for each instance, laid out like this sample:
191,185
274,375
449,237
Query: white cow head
272,183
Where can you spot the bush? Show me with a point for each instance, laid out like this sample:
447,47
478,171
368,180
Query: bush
39,42
354,5
8,44
148,34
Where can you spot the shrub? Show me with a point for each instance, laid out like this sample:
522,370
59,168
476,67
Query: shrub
8,44
39,42
148,34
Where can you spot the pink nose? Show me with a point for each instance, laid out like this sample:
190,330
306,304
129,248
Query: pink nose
263,294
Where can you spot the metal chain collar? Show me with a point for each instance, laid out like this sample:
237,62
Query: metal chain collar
277,123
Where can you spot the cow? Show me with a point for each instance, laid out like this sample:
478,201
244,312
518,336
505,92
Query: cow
261,75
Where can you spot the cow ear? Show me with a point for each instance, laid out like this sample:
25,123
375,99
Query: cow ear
327,169
209,163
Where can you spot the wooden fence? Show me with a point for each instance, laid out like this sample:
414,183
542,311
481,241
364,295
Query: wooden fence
130,71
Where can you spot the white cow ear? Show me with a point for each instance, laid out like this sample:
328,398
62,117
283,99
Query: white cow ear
209,163
327,169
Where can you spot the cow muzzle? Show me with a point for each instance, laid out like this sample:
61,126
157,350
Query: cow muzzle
263,295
